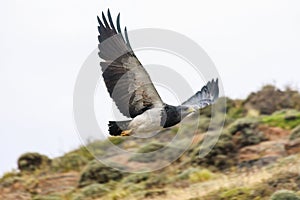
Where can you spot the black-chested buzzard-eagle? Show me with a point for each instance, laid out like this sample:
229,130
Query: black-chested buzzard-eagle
130,86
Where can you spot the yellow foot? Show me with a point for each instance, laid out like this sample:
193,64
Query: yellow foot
126,133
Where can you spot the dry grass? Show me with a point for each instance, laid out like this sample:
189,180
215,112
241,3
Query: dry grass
230,179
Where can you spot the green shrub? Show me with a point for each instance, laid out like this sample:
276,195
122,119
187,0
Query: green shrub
48,197
84,152
10,178
156,181
200,175
96,172
287,119
153,146
148,153
116,140
136,178
94,190
186,173
284,195
77,196
203,124
156,152
68,162
239,193
32,161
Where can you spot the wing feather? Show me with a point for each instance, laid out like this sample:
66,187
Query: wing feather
127,81
206,96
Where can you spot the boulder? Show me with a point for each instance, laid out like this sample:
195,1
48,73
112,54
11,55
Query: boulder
32,161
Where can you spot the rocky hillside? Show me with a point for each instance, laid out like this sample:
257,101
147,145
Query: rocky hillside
256,157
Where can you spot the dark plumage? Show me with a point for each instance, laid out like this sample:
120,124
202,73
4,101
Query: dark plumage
131,88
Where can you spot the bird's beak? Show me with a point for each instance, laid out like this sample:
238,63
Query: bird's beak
191,110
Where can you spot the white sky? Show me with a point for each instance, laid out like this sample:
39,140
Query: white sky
44,43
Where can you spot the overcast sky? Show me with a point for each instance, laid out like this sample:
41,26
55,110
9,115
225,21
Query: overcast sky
44,43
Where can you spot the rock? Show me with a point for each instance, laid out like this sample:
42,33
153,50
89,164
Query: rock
262,154
270,99
293,146
154,193
273,133
32,161
295,133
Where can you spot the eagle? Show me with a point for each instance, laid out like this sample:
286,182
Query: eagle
130,86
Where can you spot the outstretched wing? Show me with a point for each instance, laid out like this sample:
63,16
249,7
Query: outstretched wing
206,96
127,81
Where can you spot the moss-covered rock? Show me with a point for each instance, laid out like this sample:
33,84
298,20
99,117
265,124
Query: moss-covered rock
245,132
241,124
221,156
94,190
285,195
96,172
32,161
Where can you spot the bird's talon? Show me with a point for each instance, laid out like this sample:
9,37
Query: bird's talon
126,133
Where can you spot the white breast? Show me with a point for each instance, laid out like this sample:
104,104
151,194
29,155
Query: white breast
147,123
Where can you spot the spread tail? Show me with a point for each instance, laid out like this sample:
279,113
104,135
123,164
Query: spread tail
115,128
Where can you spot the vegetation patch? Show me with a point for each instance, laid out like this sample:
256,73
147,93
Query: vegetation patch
96,172
136,178
200,175
287,119
48,197
69,162
285,195
94,190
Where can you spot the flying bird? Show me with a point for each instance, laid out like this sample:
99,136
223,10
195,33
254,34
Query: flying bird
132,90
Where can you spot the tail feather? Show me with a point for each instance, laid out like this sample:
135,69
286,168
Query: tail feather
115,128
206,96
